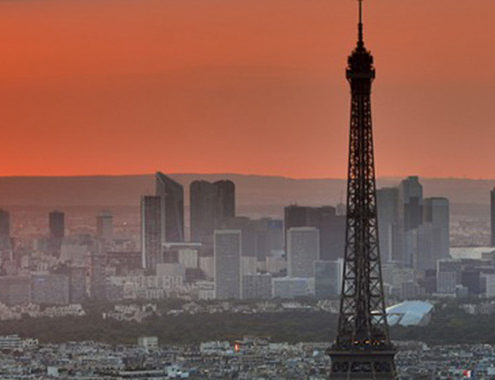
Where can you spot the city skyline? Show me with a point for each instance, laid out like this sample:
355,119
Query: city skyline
269,85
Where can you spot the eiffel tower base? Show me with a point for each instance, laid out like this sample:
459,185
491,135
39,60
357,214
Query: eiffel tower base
348,365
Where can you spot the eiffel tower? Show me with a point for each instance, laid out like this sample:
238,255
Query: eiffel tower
363,349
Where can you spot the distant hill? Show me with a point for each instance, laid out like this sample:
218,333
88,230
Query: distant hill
256,194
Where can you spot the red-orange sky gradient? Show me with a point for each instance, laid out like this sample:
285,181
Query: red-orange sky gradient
247,86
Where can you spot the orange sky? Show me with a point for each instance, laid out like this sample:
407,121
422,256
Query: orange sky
248,86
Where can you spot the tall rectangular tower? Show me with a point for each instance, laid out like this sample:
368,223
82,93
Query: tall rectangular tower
209,204
227,264
172,208
303,249
151,231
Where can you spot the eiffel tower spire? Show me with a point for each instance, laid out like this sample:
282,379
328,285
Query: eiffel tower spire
363,349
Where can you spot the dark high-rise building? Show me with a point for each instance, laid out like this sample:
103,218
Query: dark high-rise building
227,264
411,202
226,192
210,203
437,212
6,253
56,221
172,208
363,349
331,226
4,226
151,231
492,214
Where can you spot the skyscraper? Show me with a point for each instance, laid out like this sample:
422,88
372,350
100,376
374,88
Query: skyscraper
56,220
209,204
172,208
4,226
227,264
151,231
331,226
5,240
303,249
437,212
411,202
363,349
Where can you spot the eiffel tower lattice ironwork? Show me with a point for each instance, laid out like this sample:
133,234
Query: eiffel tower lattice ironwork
363,349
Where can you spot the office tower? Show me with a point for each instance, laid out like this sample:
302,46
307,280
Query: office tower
411,202
426,247
6,253
227,264
448,272
303,247
437,212
151,231
226,193
56,221
4,227
387,201
363,349
331,226
492,215
328,278
104,226
57,224
210,203
172,208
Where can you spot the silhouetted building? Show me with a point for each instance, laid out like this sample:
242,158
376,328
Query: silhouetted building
57,224
4,226
209,204
56,220
151,231
331,226
227,264
172,208
437,212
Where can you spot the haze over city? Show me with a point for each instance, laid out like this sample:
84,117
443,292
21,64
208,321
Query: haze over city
254,87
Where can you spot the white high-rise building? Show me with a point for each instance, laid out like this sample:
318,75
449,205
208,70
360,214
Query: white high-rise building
303,247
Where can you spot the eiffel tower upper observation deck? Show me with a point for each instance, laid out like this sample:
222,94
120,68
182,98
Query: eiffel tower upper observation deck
363,349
